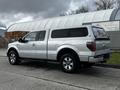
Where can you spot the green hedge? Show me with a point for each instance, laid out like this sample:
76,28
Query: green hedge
3,42
114,59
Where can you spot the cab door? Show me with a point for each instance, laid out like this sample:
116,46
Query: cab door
26,47
33,45
40,46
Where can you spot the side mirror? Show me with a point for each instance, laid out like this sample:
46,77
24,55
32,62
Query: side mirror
22,40
13,40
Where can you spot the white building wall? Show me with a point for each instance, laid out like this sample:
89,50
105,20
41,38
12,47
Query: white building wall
65,21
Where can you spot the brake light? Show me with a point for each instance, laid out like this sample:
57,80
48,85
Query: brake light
91,46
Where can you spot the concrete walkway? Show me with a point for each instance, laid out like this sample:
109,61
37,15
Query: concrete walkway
3,52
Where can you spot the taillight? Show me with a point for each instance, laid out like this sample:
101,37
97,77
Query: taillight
91,46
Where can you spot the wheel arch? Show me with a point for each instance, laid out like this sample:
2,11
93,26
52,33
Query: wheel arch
66,50
12,48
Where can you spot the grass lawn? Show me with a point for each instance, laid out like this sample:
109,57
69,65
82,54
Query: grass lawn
115,58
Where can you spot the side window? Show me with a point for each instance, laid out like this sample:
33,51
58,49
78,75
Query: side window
60,33
70,32
41,36
78,32
31,36
35,36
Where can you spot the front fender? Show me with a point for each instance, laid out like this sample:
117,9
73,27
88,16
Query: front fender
12,47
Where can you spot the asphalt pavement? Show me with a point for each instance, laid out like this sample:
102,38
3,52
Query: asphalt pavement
41,76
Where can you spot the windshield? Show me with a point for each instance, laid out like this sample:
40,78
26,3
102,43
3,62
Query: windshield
100,33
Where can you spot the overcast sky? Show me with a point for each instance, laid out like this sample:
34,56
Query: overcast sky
12,11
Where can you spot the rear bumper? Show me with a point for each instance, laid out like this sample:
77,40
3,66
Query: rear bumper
99,59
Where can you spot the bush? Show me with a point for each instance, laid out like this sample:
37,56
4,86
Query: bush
3,42
115,58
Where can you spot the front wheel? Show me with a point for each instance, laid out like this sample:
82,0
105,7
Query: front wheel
13,58
69,63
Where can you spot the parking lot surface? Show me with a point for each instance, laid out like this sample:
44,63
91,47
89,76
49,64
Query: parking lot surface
42,76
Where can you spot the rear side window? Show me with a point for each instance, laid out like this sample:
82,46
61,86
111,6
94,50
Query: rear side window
71,32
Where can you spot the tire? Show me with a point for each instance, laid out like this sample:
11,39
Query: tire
69,63
13,58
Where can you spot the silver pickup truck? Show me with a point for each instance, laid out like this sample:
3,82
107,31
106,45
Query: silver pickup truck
70,46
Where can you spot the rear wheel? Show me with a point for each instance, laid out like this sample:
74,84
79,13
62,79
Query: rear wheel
69,63
13,58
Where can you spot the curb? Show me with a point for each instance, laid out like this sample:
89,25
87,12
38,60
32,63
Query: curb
108,65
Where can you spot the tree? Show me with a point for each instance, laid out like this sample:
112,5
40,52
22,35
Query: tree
81,9
105,4
118,3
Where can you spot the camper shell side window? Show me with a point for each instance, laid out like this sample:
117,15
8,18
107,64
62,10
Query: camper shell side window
70,32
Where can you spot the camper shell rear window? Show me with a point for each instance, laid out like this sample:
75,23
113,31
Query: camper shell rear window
100,33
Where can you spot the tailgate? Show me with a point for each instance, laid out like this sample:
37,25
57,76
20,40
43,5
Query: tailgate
102,47
102,41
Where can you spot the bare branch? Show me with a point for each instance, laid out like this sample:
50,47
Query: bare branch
82,9
105,4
